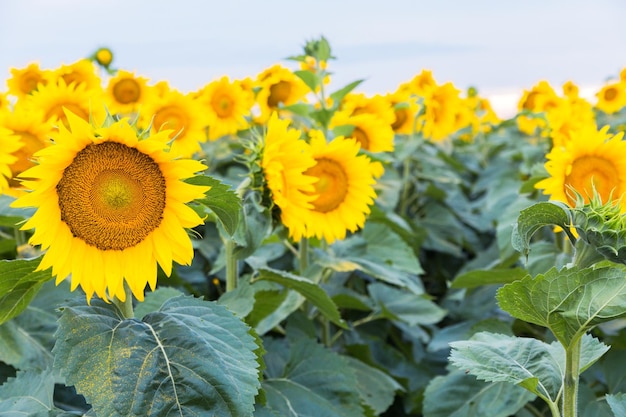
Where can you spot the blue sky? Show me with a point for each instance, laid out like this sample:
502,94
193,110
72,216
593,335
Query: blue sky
501,47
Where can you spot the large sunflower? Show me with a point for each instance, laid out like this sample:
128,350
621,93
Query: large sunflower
344,188
181,116
110,206
589,159
125,92
227,104
285,158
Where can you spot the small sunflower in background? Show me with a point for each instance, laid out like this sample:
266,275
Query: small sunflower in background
82,71
53,98
590,160
405,110
24,81
441,108
278,86
103,57
181,115
126,92
344,187
227,103
611,97
372,132
110,206
8,145
284,160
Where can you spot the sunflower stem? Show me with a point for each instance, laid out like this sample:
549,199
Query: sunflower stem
126,306
570,380
304,255
231,265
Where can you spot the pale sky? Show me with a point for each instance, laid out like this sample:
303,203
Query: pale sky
499,46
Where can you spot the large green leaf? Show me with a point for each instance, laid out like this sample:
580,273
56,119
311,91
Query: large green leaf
191,357
617,403
460,395
377,389
480,277
397,304
534,218
310,290
388,248
19,283
311,381
569,302
527,362
10,216
221,200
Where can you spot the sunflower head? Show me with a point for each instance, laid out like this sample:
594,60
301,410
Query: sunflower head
24,81
126,91
278,86
612,97
103,57
592,161
80,72
8,145
110,207
371,132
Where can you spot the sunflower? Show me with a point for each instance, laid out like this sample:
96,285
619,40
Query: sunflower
103,57
441,108
31,134
23,81
8,145
52,98
80,72
354,104
285,158
227,104
590,159
181,115
612,97
540,98
372,133
110,207
344,188
278,86
420,85
405,110
125,92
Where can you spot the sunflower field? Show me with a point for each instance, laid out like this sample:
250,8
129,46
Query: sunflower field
279,246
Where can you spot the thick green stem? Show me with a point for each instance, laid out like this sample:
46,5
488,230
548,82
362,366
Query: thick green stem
570,381
126,306
231,265
304,255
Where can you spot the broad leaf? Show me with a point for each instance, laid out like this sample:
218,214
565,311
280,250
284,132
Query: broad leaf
10,216
191,357
617,403
338,95
221,200
28,394
534,218
154,300
19,283
405,306
377,389
480,277
569,302
309,78
527,362
460,395
310,290
311,381
388,248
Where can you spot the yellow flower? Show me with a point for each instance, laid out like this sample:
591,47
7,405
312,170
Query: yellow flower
103,56
572,114
540,98
354,104
372,133
52,98
440,117
421,85
182,116
344,188
23,81
226,104
405,109
110,207
126,92
612,97
590,159
285,158
8,145
278,86
80,72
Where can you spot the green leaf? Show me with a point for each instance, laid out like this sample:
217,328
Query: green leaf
528,362
154,300
569,302
301,109
617,403
28,394
19,283
311,381
191,357
9,216
377,389
534,218
410,308
309,78
310,290
339,95
480,277
460,395
386,247
221,200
